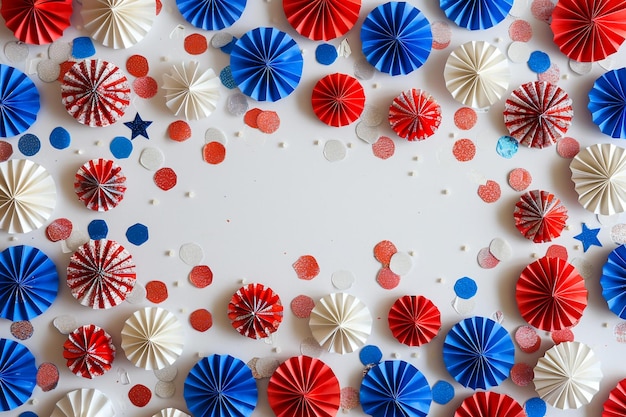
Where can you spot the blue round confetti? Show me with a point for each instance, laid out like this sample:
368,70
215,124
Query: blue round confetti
507,146
28,414
535,407
228,48
97,229
226,77
82,47
465,288
121,147
325,54
137,234
443,392
370,354
60,138
539,62
29,144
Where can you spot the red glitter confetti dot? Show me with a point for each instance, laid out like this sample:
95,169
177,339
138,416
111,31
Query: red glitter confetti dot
179,131
159,7
486,260
137,66
251,116
139,395
306,267
383,251
349,398
527,339
165,178
201,276
65,67
490,192
522,374
145,87
196,44
268,121
560,336
384,147
465,118
567,147
201,320
302,306
387,279
520,31
464,150
520,179
542,10
557,251
59,229
214,153
156,291
47,376
22,330
6,150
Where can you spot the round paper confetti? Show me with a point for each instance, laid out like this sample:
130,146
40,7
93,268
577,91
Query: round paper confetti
551,75
325,54
121,147
518,52
48,71
557,251
535,407
527,339
65,324
29,144
179,131
201,320
156,291
342,280
464,307
137,65
520,179
16,51
580,68
167,374
191,254
301,306
507,146
268,121
306,267
349,398
384,147
464,150
539,62
443,392
501,249
165,178
334,150
401,263
139,395
250,118
47,376
214,153
618,234
226,77
522,374
387,279
442,34
366,133
542,10
465,288
237,104
486,260
363,70
383,251
6,150
619,332
520,31
214,134
195,44
489,192
97,229
465,118
221,39
145,87
201,276
59,229
151,158
22,329
164,389
310,347
567,147
137,234
370,355
372,116
560,336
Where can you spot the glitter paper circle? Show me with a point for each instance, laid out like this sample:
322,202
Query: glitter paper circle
211,14
89,351
322,19
477,14
540,216
338,99
414,320
489,404
19,101
255,311
607,103
100,184
414,115
613,281
37,22
18,374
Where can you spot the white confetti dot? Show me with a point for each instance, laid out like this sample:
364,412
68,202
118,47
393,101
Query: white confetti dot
137,295
368,134
65,323
151,159
59,51
167,374
191,254
500,249
165,389
608,220
221,39
519,8
618,234
584,268
77,239
265,367
237,104
16,51
607,63
310,347
363,70
342,280
372,116
518,52
48,71
401,263
214,134
580,68
334,150
462,306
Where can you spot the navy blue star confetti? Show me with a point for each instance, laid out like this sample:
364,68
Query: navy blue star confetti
138,127
588,237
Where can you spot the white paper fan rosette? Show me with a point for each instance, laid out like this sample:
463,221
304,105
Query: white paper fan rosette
171,412
84,403
118,23
599,176
191,92
568,375
340,323
27,196
152,338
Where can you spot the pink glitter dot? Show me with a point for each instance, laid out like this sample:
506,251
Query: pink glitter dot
387,279
567,147
349,398
542,10
520,179
302,306
520,31
560,336
527,339
383,148
522,374
557,251
486,260
552,75
442,34
490,192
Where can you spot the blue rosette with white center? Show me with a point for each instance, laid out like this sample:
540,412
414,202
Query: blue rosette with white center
211,14
19,101
607,103
613,281
476,14
18,374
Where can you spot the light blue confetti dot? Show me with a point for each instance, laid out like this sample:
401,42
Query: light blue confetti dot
121,147
29,144
443,392
227,49
97,229
507,146
82,47
60,138
325,54
226,77
137,234
370,354
535,407
539,62
465,288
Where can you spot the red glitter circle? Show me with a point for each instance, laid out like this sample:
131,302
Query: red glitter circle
268,121
196,44
465,118
527,339
47,376
137,66
22,329
567,147
560,336
486,259
542,10
520,31
139,395
6,150
201,320
301,306
520,179
490,192
349,398
250,118
522,374
179,131
383,251
59,229
557,251
464,150
201,276
165,178
384,147
145,87
306,267
551,75
387,279
156,291
214,153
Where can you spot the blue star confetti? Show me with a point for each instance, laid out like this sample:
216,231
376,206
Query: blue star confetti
588,237
138,127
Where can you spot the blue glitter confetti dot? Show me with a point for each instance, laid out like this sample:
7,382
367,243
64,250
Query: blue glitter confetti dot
97,229
121,147
370,354
137,234
507,146
539,62
60,138
465,288
325,54
443,392
535,407
226,77
29,144
82,47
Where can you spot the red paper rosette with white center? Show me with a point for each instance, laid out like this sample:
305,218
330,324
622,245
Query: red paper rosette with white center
255,311
338,99
615,405
101,274
37,22
322,19
95,92
540,216
489,404
303,386
551,294
100,184
414,115
89,351
538,113
414,320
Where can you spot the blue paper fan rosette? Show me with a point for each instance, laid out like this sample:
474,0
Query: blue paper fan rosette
211,14
478,352
396,38
19,101
29,282
613,281
607,103
18,374
476,14
395,389
220,386
266,64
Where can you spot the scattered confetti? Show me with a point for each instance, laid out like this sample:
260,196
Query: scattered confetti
97,229
401,263
250,118
542,10
139,395
551,75
486,260
151,159
383,251
156,291
539,62
442,34
464,150
59,229
363,70
518,52
567,147
82,47
167,374
560,336
191,254
387,279
519,179
490,192
520,31
268,121
588,237
334,150
214,153
121,147
507,146
237,104
370,355
306,267
65,324
179,131
265,367
443,392
535,407
29,144
165,178
22,329
366,133
326,54
201,320
137,65
580,68
302,305
384,147
342,280
557,251
195,44
465,118
522,374
48,71
465,288
372,116
164,389
201,276
462,306
47,376
145,87
137,234
214,134
527,339
349,398
16,51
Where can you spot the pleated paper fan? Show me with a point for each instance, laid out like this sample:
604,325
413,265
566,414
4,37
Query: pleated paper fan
18,374
489,404
322,19
20,101
37,22
607,103
414,320
255,311
476,14
615,405
171,412
540,216
211,14
89,351
84,402
613,281
414,115
100,184
191,92
338,99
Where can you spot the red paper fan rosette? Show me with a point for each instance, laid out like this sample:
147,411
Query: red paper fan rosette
338,99
414,115
255,311
303,386
551,294
101,274
414,320
100,184
37,22
538,113
540,216
322,19
489,404
89,351
95,92
615,405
